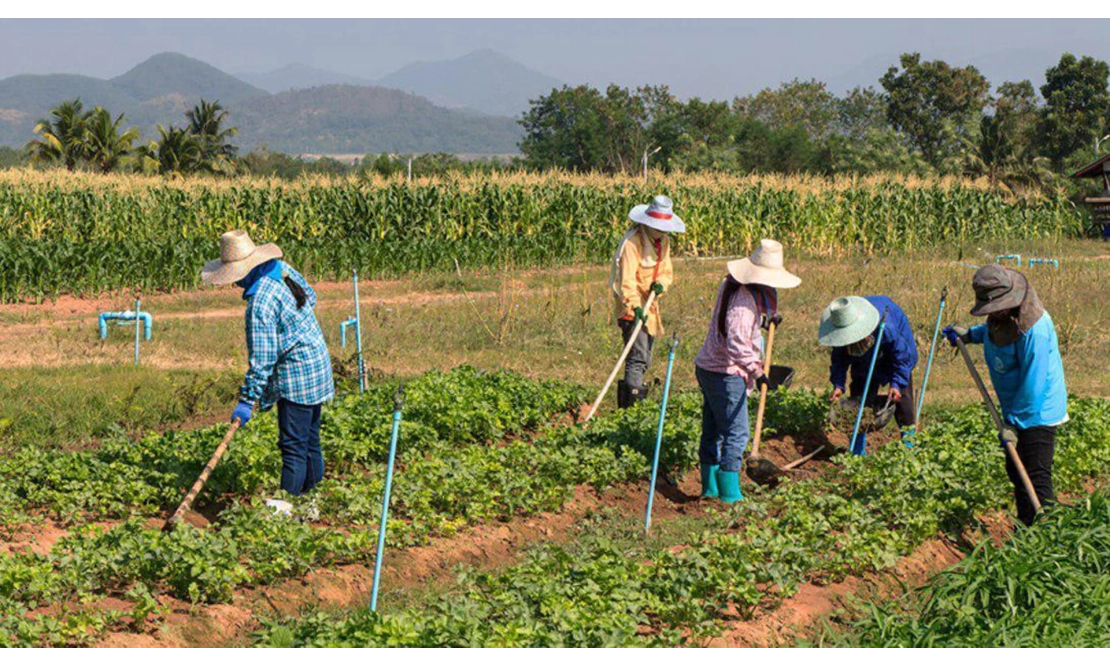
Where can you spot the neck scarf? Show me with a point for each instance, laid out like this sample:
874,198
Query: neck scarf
1019,320
268,270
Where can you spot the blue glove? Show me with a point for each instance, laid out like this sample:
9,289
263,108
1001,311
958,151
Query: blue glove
242,412
953,333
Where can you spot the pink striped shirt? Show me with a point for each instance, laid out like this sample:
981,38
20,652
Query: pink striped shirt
739,353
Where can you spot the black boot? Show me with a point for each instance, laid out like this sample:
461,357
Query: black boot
636,394
624,398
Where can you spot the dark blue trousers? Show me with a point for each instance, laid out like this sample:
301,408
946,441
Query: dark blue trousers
302,461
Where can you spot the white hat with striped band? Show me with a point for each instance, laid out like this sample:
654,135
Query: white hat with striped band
659,215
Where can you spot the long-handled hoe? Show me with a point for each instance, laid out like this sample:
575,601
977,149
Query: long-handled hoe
764,471
659,434
932,352
1008,445
187,503
620,361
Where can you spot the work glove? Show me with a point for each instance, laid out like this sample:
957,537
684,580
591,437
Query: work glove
242,412
761,381
837,393
768,320
1008,435
952,333
638,314
658,288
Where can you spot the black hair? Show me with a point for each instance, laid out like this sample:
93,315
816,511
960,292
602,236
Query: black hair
297,290
731,287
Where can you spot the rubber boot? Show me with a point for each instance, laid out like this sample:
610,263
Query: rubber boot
624,399
909,436
859,446
636,394
728,486
709,481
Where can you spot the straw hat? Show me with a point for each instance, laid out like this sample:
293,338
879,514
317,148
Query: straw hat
997,289
659,215
846,321
764,267
238,256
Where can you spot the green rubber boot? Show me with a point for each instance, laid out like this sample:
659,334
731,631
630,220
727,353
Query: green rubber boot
728,484
709,481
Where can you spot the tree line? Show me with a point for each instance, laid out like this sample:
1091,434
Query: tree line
926,117
94,139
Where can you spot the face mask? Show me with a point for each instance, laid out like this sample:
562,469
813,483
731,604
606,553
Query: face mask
861,347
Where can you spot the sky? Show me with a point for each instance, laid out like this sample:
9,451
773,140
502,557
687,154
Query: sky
716,59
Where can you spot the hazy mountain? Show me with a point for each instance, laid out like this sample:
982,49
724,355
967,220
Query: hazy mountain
176,74
297,75
323,119
484,80
357,119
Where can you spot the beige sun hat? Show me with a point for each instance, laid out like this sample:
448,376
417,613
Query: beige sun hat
238,256
764,267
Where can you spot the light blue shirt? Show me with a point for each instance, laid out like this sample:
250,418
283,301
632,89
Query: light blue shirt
1028,375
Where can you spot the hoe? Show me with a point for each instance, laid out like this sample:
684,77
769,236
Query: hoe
187,503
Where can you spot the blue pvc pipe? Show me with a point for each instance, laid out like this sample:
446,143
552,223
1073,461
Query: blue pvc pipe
125,318
398,400
659,434
343,330
358,338
867,383
932,352
138,316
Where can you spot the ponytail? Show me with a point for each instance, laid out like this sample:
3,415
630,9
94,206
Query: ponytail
729,290
297,290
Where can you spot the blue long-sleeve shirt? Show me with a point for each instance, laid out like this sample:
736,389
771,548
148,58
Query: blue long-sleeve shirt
1028,375
897,357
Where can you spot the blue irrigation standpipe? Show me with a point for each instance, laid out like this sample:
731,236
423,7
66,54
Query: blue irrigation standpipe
932,352
358,338
398,402
659,434
867,384
138,300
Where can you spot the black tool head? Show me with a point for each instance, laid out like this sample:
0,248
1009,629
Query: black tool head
764,472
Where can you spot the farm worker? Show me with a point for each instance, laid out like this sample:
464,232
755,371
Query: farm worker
641,265
289,361
850,326
1020,347
729,365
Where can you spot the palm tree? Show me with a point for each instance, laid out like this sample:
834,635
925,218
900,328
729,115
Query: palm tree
61,138
105,146
1005,162
177,152
206,122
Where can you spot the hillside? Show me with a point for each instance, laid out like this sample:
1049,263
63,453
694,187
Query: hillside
323,119
358,119
297,76
484,80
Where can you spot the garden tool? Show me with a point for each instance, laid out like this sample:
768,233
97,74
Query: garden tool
932,351
659,434
187,503
867,384
398,402
1008,445
763,471
620,361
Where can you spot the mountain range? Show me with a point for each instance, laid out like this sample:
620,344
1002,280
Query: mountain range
467,105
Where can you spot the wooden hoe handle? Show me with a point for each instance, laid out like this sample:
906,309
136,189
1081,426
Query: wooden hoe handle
763,391
620,361
187,502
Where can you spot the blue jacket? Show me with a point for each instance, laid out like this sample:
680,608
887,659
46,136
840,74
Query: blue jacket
1028,375
897,357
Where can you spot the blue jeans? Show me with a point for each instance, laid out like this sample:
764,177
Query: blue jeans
724,419
302,461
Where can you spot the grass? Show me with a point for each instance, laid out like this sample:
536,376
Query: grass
63,384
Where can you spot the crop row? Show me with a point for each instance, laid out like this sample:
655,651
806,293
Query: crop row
861,518
476,447
61,235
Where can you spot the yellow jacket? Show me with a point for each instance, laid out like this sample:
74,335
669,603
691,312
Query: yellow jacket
636,264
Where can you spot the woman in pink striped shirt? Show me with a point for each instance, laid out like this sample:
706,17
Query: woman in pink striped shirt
730,366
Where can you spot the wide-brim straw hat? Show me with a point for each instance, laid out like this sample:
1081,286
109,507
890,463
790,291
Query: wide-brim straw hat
764,267
846,321
997,289
659,215
238,256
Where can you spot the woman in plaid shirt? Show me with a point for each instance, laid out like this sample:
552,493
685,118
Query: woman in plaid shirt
289,362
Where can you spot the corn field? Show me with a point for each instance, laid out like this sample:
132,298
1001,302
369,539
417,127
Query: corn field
87,234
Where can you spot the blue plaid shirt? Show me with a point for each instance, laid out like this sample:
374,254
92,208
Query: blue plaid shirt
288,357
